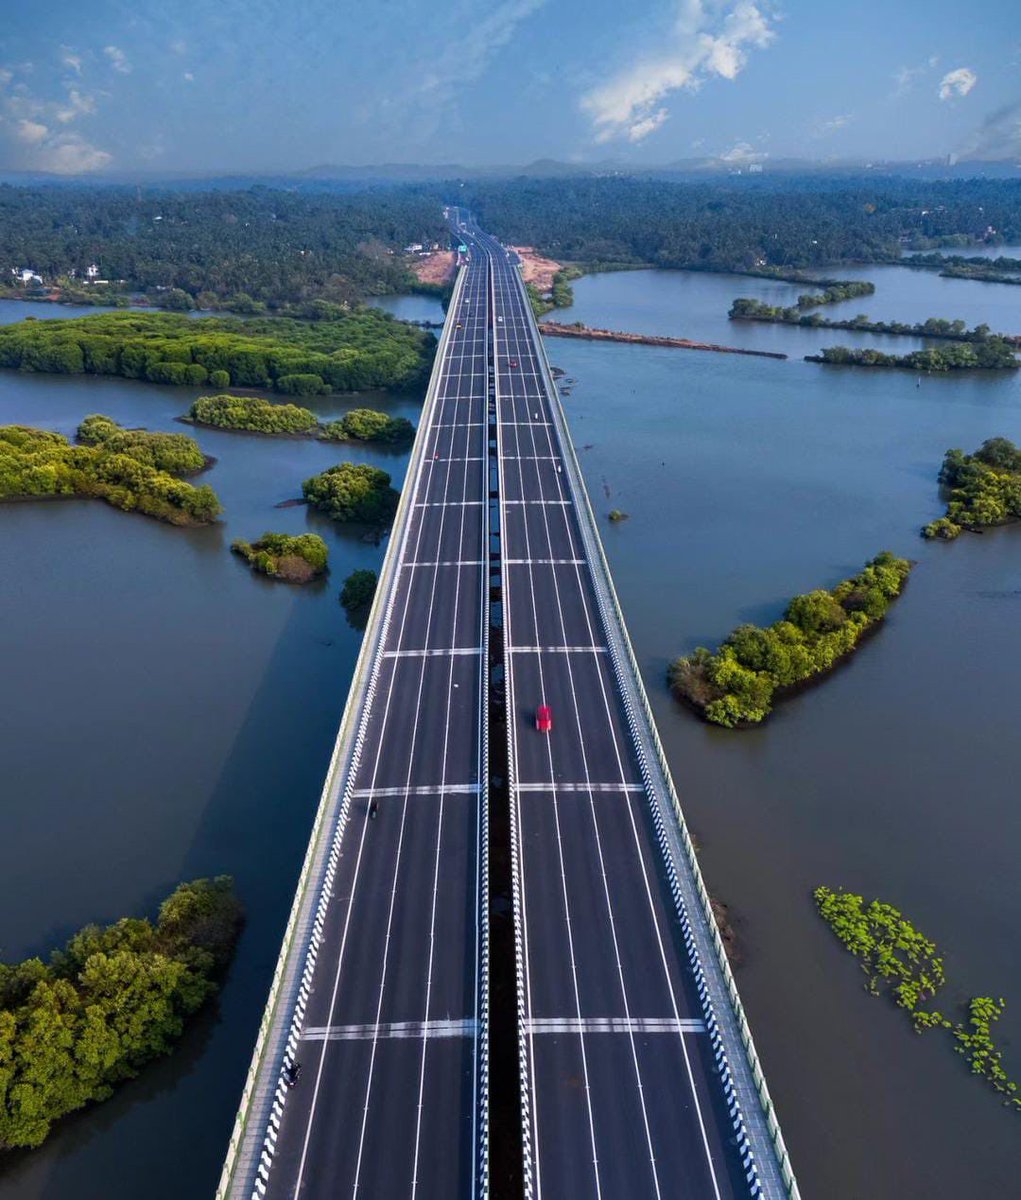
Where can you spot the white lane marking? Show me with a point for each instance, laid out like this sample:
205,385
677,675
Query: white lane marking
544,503
543,562
556,785
468,1027
615,1025
446,503
419,789
557,650
442,652
446,562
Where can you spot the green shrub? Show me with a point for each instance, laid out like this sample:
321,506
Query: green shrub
294,559
369,425
359,590
984,488
352,492
252,414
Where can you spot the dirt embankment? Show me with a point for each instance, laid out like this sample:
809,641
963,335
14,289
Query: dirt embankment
435,267
535,268
553,329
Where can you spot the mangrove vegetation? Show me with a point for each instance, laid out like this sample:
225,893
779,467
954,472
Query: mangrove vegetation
112,1000
736,685
291,558
933,327
118,468
899,959
983,488
364,348
368,425
356,596
353,492
252,414
993,354
175,453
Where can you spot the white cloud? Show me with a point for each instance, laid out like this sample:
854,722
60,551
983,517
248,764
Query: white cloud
118,59
78,104
71,59
742,153
826,126
69,154
179,47
189,77
706,41
957,83
5,76
31,132
905,77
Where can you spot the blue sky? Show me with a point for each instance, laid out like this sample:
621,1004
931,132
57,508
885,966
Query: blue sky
260,85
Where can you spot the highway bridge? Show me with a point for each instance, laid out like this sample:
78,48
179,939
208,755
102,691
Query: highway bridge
634,1070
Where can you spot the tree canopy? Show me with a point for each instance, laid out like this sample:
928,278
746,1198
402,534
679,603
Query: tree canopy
353,492
294,559
984,488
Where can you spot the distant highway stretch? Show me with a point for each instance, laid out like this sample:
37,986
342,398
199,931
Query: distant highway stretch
637,1073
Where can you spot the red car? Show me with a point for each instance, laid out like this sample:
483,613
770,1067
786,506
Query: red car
543,718
513,362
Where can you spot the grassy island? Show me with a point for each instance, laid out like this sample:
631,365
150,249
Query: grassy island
736,686
108,1003
933,327
294,559
363,348
116,465
251,414
993,354
984,488
895,955
353,492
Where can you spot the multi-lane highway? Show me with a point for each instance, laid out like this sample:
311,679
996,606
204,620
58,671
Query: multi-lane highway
637,1075
388,1098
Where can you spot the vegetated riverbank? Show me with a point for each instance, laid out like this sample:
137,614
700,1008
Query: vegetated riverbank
366,348
736,686
252,414
984,489
285,557
981,270
890,949
989,355
108,1003
744,309
555,329
120,467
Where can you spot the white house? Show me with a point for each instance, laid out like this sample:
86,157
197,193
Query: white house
26,275
92,273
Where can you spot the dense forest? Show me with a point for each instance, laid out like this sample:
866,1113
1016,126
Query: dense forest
112,1000
984,488
991,354
736,685
365,348
220,247
116,467
293,559
742,223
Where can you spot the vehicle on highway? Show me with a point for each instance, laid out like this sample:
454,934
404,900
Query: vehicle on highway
292,1073
512,363
544,718
459,325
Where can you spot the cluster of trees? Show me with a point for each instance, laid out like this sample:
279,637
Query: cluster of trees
35,462
891,950
175,453
233,249
736,685
108,1003
993,354
745,309
744,223
984,488
356,596
292,558
956,266
353,492
365,348
253,415
369,425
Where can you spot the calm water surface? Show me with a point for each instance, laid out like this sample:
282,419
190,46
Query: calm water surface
170,715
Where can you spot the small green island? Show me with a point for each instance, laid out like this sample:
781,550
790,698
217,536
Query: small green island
993,354
356,596
358,350
984,489
252,414
131,469
736,686
353,492
895,955
291,558
112,1000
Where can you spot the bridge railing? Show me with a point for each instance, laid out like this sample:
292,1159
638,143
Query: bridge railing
617,630
262,1087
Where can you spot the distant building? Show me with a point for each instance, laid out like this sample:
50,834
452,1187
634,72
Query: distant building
92,273
755,169
26,275
414,248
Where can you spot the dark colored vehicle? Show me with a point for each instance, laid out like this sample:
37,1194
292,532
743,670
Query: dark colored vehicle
513,362
543,718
